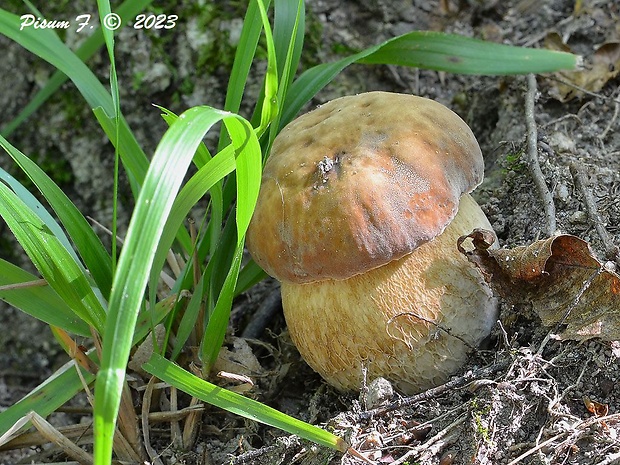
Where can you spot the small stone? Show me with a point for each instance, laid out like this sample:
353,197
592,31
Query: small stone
380,392
562,193
561,142
579,217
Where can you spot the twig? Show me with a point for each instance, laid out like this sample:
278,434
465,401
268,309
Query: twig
532,154
438,438
537,448
577,429
146,431
360,456
583,89
263,315
433,392
281,445
440,327
612,459
52,435
560,398
613,119
504,334
580,179
175,426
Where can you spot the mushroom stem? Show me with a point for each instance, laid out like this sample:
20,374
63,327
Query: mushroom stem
411,321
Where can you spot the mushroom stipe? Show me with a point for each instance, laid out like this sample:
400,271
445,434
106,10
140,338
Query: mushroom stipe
361,205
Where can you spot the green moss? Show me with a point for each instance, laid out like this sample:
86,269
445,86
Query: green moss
55,166
137,79
514,162
343,49
313,41
213,17
479,412
186,87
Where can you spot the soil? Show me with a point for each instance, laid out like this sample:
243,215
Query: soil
543,400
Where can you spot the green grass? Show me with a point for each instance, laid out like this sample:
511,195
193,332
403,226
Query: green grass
110,296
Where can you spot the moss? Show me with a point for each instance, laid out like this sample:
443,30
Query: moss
137,78
214,17
313,41
479,412
71,104
55,165
514,162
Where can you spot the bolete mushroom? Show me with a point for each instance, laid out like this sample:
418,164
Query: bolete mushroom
361,204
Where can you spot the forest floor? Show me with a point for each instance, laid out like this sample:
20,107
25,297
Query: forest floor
528,396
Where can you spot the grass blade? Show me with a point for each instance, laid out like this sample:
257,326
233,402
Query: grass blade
244,57
89,246
40,302
51,258
288,41
249,275
238,404
153,206
465,55
46,398
36,207
269,106
249,168
431,50
288,36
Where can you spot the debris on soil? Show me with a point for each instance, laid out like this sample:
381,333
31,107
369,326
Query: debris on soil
526,397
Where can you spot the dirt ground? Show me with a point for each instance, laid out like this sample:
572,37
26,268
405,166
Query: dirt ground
526,397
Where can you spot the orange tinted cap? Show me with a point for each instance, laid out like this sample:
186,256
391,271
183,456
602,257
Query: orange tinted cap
359,182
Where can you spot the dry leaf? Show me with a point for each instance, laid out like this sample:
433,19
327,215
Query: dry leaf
145,350
239,359
598,68
560,277
596,408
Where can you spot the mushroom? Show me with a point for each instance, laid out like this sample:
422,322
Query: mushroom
361,205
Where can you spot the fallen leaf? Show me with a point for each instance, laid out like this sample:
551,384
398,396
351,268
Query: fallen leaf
146,349
596,408
559,276
239,359
598,68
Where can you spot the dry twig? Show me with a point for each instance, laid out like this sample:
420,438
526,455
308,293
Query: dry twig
581,182
577,431
532,157
612,121
612,459
146,431
52,435
437,442
263,315
433,392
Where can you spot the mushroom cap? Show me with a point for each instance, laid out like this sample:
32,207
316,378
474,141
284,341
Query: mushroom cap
359,182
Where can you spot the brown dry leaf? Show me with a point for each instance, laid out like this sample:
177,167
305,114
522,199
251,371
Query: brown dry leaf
600,67
596,408
560,277
239,359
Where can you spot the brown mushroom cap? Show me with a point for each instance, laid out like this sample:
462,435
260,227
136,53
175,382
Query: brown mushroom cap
359,182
